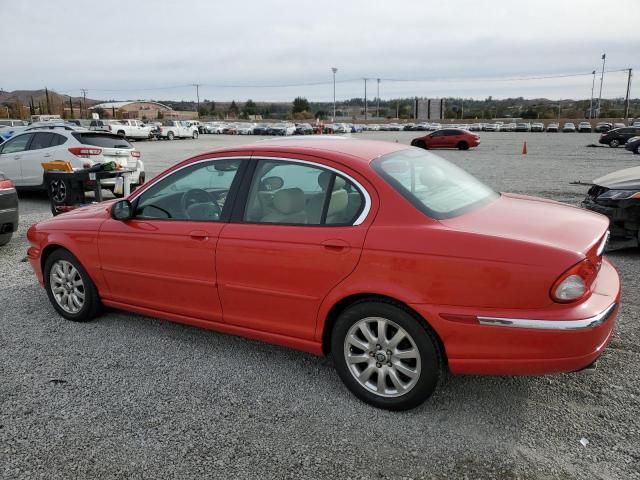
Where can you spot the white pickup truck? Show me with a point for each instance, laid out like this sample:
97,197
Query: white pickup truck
171,129
131,129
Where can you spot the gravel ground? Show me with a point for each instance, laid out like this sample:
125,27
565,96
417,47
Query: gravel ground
128,396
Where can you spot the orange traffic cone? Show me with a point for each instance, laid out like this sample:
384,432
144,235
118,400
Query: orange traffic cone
524,148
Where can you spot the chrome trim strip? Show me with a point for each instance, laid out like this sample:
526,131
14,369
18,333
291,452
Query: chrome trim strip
7,210
603,243
591,322
367,198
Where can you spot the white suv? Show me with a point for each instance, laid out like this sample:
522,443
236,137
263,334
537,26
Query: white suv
22,155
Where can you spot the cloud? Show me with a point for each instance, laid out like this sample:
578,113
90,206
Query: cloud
125,49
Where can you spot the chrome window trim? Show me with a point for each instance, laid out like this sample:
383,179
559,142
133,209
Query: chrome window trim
367,198
590,322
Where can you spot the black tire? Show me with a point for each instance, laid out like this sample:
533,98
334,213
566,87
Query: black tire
195,135
91,306
636,150
615,143
462,145
170,136
121,134
419,144
5,238
425,342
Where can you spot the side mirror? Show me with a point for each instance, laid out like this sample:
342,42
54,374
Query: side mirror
122,210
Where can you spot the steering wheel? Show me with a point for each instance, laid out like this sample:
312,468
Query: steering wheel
197,204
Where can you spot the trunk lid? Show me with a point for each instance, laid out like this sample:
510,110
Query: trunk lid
535,220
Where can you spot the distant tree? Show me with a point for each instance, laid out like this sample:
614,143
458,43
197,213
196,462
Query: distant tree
203,111
160,115
100,111
321,114
46,94
300,104
250,108
233,109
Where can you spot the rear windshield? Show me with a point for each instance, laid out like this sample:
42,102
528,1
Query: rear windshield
436,187
104,140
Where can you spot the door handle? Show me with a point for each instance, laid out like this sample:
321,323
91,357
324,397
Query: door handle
47,155
199,235
335,245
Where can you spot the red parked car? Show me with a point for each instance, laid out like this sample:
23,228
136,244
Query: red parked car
447,138
386,257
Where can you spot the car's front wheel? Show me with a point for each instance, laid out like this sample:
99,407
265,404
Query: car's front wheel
69,288
614,143
385,355
195,135
462,145
170,136
636,150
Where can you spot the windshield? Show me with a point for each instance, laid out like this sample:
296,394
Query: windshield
436,187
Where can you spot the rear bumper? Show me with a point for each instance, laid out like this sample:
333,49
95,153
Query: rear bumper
562,338
8,212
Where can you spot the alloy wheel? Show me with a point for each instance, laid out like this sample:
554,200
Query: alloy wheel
382,356
67,286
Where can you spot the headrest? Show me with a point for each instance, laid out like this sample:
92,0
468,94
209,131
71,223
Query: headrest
325,177
289,200
271,184
432,176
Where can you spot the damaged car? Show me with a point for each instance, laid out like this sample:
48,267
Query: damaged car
617,195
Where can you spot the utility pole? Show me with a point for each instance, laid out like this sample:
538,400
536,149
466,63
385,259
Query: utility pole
378,103
365,99
334,70
604,59
461,109
593,84
559,116
84,95
626,102
197,85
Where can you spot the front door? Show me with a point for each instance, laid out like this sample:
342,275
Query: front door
165,257
299,236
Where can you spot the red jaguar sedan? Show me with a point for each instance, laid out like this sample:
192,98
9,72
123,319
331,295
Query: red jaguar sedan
447,138
391,260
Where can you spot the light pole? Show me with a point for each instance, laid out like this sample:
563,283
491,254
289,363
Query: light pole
378,104
593,84
334,70
604,59
365,99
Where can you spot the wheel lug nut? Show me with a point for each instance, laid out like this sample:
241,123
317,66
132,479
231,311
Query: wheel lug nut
388,364
378,347
378,364
371,354
389,352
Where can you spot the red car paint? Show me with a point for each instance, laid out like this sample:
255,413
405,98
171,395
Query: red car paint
447,138
283,283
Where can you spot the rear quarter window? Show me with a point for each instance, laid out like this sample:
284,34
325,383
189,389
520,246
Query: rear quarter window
102,140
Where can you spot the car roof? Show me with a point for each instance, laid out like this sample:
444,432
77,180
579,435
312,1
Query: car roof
363,150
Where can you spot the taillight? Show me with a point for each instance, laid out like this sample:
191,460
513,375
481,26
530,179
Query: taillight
109,127
6,184
84,152
136,154
575,283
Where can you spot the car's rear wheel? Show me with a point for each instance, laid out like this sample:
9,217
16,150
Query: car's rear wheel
195,135
121,134
5,238
462,145
636,150
69,288
614,143
387,357
170,136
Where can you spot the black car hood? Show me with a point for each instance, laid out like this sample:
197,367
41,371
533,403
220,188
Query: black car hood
627,179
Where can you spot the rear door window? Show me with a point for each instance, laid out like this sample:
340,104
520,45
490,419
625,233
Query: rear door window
102,140
41,140
57,140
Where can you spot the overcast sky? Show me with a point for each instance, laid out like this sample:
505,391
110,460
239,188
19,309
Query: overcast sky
273,50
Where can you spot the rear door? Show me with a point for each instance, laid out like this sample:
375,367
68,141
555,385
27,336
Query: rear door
298,234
